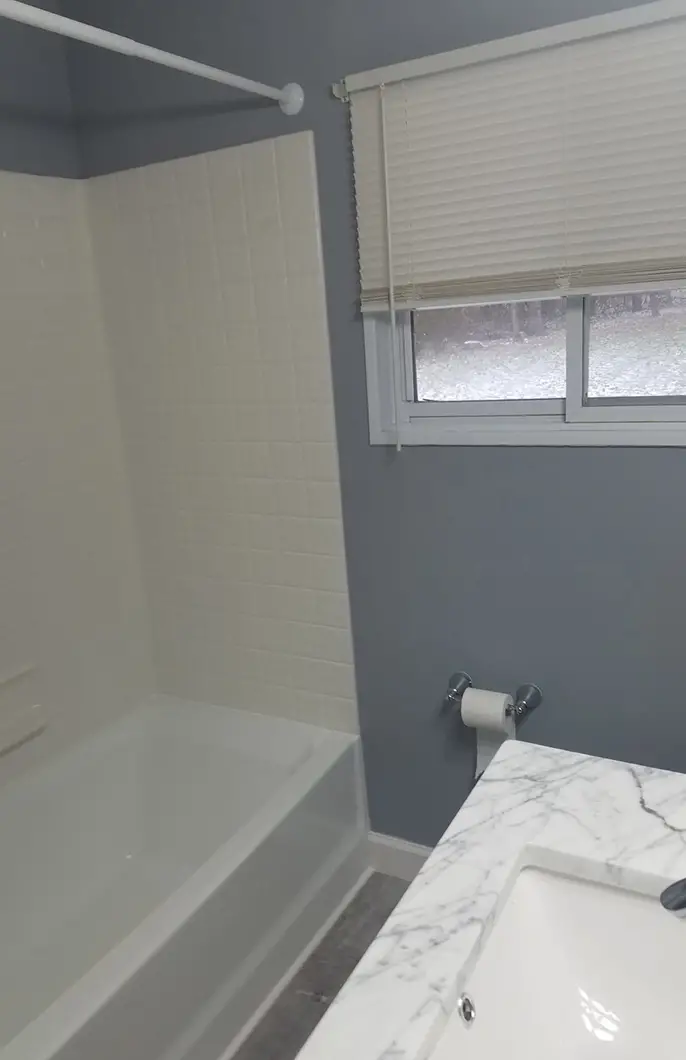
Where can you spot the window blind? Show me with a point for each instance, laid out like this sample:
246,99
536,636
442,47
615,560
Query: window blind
561,169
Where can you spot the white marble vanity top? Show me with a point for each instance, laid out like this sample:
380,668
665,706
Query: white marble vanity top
602,820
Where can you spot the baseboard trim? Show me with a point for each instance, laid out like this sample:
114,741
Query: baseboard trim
396,857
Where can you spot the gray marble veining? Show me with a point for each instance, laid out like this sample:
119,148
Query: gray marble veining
606,821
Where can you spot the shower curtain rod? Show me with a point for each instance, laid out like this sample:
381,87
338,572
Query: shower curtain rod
290,98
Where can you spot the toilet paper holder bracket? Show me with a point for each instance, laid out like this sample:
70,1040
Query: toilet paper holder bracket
527,697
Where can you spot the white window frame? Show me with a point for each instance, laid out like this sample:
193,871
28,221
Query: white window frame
396,417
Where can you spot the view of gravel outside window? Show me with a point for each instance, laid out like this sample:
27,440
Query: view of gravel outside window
516,350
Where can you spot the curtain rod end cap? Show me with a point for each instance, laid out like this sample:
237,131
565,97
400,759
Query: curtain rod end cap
292,99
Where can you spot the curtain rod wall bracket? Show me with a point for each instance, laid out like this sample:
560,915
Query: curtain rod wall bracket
340,92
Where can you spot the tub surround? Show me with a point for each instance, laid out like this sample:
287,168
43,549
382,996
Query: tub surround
73,617
605,821
212,285
169,488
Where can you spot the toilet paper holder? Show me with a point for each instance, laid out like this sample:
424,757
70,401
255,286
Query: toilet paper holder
527,697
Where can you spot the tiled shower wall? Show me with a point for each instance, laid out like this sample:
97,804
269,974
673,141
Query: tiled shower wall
213,292
71,601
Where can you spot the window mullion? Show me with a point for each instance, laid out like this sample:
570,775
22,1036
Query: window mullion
406,368
577,356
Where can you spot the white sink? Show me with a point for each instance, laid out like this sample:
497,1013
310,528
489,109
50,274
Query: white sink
575,970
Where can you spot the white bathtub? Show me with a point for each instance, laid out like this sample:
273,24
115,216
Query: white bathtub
158,881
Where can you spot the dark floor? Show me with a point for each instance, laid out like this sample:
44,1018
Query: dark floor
294,1015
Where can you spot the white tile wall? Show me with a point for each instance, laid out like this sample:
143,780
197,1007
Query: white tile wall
71,600
213,291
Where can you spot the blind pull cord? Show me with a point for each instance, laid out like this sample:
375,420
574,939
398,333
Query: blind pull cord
391,278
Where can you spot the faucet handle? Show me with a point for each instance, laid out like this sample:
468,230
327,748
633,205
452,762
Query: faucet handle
673,899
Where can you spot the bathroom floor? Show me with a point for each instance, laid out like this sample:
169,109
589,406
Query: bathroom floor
294,1015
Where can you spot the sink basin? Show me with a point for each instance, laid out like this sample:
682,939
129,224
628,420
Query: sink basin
578,970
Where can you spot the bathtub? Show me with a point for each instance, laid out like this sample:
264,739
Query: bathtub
158,881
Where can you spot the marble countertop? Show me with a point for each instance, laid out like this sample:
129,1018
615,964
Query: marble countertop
602,820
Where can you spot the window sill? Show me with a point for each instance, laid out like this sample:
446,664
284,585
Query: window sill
535,431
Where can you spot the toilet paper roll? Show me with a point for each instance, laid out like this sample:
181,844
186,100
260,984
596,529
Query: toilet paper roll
487,713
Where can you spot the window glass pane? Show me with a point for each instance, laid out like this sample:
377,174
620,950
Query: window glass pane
637,345
509,350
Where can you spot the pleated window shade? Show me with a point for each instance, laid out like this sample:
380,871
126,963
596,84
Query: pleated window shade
556,170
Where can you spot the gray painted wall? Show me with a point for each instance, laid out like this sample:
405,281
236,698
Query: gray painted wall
36,121
561,566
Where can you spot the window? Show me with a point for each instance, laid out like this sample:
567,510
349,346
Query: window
504,351
521,215
636,346
525,370
634,350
